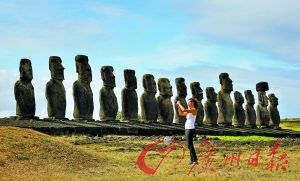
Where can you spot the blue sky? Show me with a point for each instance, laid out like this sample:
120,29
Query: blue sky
253,41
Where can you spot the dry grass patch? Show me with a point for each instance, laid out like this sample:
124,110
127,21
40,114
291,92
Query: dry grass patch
29,155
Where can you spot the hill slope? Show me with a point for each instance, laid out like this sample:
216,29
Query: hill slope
27,154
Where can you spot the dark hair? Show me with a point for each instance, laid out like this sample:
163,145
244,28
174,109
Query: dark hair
194,101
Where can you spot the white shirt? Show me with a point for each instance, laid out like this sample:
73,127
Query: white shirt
190,121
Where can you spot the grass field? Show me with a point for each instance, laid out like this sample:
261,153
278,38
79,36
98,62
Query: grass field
30,155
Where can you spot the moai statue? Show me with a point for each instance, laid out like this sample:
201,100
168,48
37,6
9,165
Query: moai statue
108,99
165,106
225,103
274,113
148,102
239,112
197,94
250,121
262,113
210,107
24,92
55,90
129,97
82,92
181,95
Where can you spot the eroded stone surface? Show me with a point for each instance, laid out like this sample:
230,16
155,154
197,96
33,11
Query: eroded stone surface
55,90
262,113
181,96
82,92
210,107
148,102
273,111
24,91
129,97
239,112
250,113
108,99
197,94
225,104
166,112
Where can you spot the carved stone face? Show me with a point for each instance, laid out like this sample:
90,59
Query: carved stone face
130,79
273,99
165,87
226,85
238,97
108,77
57,69
26,70
211,94
181,87
262,98
197,92
149,83
249,97
85,73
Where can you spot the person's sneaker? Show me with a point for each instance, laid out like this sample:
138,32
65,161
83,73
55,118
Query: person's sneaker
193,163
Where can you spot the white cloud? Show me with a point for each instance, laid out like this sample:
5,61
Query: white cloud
107,9
7,81
269,26
180,51
42,26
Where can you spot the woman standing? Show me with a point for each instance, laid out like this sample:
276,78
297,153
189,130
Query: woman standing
191,114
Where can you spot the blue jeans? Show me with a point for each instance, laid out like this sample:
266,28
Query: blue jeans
189,135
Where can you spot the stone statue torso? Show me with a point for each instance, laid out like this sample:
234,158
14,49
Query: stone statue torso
263,116
239,115
56,96
178,118
274,115
226,113
200,112
250,115
24,94
83,104
129,104
149,111
166,112
108,104
211,113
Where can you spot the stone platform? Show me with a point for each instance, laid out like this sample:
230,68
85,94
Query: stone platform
66,127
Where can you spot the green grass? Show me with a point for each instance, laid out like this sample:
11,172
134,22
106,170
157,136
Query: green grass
22,157
290,119
292,125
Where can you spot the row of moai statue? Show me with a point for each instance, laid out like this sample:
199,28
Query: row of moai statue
153,109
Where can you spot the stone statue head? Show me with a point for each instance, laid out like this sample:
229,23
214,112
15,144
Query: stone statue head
249,97
262,98
149,83
107,76
25,69
130,79
164,87
261,87
226,82
273,99
197,92
181,87
211,94
238,97
56,68
83,68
